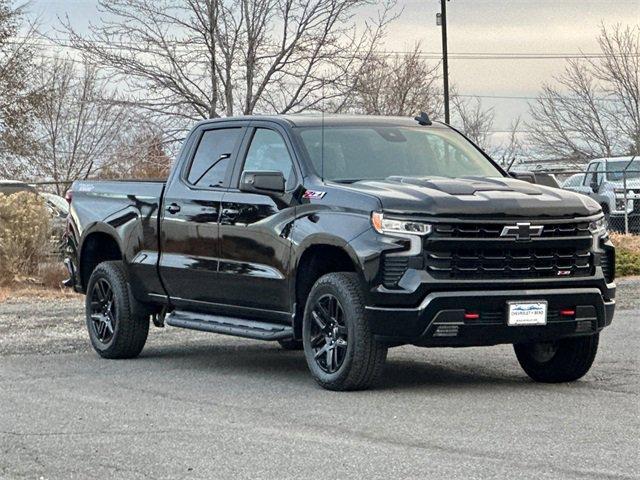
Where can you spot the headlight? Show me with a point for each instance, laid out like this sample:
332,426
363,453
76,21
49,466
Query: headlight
390,225
598,227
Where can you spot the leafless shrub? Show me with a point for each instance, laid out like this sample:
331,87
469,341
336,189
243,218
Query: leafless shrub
51,275
25,232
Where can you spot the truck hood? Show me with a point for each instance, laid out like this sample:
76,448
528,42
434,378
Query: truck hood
475,196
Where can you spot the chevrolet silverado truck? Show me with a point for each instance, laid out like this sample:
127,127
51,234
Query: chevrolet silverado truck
344,236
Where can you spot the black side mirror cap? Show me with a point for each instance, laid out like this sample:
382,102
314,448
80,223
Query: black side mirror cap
262,182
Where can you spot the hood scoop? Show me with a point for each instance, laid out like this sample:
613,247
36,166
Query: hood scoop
467,185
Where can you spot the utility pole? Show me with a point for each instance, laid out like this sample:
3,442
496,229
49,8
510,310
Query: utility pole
442,21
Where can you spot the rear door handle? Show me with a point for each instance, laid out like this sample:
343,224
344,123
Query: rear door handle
173,208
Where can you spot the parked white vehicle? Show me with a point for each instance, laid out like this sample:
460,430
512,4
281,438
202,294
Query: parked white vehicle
615,184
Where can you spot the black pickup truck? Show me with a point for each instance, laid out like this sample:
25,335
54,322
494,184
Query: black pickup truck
344,236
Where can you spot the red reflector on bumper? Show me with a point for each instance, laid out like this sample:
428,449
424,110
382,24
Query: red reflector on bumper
471,316
567,312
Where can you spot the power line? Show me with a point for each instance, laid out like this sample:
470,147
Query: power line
65,43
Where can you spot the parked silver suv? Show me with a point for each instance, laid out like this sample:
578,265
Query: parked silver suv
615,184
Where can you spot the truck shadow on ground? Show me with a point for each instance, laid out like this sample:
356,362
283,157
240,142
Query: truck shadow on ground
283,366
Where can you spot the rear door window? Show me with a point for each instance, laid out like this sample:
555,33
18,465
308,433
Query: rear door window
212,162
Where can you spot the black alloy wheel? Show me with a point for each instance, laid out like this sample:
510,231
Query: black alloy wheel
118,324
339,346
329,333
103,311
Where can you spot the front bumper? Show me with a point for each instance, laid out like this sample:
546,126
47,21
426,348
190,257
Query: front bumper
440,319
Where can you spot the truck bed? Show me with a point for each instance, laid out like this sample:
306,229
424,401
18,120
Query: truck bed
125,210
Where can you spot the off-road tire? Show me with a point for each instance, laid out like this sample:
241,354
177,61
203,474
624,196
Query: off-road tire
132,324
364,359
571,361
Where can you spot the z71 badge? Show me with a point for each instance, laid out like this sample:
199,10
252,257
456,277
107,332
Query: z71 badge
314,194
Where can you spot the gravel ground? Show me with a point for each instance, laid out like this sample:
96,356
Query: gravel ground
197,405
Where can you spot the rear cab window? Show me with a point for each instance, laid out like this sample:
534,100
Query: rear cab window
213,160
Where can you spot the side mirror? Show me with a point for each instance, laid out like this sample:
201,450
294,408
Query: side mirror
262,182
525,176
595,186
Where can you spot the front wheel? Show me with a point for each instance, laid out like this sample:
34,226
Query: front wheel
564,360
339,347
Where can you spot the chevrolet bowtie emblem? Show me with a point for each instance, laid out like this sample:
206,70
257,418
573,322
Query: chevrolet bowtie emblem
522,231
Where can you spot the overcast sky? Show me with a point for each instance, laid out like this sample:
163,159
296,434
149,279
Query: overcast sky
507,26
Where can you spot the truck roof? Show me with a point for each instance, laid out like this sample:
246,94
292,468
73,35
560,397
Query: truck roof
616,159
332,120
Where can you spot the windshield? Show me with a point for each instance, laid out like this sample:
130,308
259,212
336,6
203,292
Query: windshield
573,180
353,153
615,170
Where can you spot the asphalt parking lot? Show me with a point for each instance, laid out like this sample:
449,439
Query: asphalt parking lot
197,405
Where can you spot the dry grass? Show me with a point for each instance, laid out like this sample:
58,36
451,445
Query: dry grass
51,275
19,291
627,254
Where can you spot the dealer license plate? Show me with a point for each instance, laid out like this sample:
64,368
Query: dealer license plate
527,313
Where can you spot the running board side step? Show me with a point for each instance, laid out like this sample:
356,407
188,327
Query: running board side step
238,327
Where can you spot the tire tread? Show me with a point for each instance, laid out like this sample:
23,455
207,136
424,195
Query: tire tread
133,320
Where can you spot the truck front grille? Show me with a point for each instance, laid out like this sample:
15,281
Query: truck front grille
493,230
511,262
470,251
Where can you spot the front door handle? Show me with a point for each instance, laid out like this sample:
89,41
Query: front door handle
173,208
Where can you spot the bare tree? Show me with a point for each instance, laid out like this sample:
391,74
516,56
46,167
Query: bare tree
472,119
406,84
594,109
195,59
402,84
141,154
619,74
78,123
511,151
17,94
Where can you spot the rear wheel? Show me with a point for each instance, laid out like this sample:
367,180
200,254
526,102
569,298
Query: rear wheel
564,360
118,325
339,347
